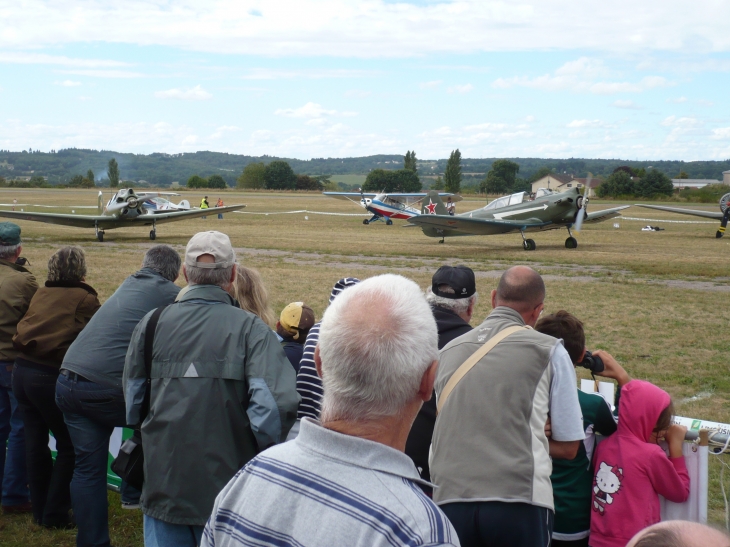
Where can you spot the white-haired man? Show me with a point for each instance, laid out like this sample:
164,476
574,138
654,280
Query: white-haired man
221,391
345,480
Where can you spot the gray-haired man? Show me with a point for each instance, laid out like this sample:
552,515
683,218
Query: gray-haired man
222,390
345,480
89,388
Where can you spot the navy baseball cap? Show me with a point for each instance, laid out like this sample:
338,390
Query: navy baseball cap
459,278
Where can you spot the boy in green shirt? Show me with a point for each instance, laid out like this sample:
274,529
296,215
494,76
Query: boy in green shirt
573,479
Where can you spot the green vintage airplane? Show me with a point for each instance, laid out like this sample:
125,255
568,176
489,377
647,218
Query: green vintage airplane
125,208
723,216
515,213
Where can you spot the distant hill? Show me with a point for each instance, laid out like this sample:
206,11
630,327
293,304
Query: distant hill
162,169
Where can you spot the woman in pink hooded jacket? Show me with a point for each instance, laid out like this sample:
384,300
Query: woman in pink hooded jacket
631,470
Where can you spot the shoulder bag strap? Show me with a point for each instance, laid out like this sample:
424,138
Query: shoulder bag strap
473,360
149,338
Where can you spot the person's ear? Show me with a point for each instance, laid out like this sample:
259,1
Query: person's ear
494,298
233,273
185,273
425,390
318,361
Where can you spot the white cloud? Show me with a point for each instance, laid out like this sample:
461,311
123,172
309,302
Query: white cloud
431,84
94,73
196,93
358,93
461,89
314,74
674,121
312,111
352,28
579,76
678,100
705,102
722,133
586,123
626,104
67,83
25,58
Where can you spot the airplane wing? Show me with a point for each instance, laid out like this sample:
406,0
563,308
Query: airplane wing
349,195
106,222
79,221
476,226
695,212
600,216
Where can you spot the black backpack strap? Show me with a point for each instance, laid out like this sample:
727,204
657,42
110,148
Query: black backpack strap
149,339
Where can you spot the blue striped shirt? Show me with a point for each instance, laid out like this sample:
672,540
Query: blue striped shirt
309,384
327,489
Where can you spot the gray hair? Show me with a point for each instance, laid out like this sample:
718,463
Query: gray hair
456,305
164,260
376,341
8,251
210,276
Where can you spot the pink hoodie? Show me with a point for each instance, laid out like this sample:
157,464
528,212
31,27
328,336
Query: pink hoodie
631,472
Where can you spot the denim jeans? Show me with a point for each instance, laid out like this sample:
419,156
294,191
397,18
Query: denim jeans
35,388
91,412
158,533
13,478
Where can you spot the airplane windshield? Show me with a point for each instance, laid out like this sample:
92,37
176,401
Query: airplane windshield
514,199
394,203
542,192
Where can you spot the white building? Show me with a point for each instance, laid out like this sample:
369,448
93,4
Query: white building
726,177
558,182
680,184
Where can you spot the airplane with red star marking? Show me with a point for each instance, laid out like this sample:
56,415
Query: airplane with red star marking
388,206
515,213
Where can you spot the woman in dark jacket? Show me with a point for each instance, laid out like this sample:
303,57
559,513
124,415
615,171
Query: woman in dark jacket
56,315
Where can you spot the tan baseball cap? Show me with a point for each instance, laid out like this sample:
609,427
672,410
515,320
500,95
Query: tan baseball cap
296,317
210,243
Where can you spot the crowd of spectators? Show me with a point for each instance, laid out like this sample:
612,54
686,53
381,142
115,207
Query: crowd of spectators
391,421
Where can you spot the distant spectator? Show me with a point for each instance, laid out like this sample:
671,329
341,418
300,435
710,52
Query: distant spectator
450,206
89,389
309,384
219,203
345,481
680,533
222,390
293,326
452,296
17,287
54,319
251,294
631,470
572,480
204,204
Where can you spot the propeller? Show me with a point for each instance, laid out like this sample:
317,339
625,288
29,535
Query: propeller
725,208
582,211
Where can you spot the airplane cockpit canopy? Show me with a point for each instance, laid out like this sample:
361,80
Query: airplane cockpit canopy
506,201
542,192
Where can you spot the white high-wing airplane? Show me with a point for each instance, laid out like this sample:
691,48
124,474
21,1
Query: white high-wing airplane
125,208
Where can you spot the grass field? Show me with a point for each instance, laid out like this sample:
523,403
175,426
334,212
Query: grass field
652,299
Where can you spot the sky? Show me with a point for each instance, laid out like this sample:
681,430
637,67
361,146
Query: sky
341,78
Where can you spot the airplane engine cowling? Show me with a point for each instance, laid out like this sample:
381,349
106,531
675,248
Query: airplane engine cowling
725,202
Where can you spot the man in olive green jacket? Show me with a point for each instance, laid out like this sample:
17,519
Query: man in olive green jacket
17,287
222,390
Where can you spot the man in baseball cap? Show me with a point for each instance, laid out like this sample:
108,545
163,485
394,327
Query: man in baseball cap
206,352
293,326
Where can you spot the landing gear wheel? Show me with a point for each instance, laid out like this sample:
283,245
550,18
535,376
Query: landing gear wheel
571,243
153,235
389,222
529,245
100,237
365,221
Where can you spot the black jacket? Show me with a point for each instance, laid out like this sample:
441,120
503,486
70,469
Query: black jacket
450,326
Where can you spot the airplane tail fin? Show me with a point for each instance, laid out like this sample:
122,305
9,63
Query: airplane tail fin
100,203
433,205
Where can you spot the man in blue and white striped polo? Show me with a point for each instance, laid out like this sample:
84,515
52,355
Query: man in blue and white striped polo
345,479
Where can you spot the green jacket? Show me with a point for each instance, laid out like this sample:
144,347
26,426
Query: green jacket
17,287
222,390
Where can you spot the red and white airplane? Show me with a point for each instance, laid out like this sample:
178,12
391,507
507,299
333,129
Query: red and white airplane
389,206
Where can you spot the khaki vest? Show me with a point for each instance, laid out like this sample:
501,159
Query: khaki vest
489,442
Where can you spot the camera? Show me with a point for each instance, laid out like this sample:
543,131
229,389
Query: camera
592,362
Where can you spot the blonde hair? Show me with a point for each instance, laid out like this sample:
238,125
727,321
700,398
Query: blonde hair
67,264
249,290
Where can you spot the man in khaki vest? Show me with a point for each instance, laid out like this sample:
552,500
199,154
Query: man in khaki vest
490,456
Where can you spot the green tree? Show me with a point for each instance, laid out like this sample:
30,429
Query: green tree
438,184
682,175
280,176
216,181
502,178
654,183
197,181
90,176
618,183
305,182
452,174
78,181
252,176
540,173
113,173
403,180
410,161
